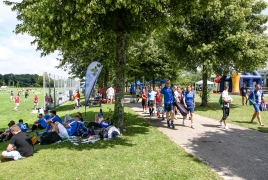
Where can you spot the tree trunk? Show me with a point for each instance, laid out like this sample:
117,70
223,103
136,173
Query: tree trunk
204,102
120,70
105,82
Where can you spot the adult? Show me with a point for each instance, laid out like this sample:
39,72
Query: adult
151,100
53,118
35,102
20,145
255,98
226,100
17,103
110,95
46,115
138,92
40,123
243,93
76,98
168,102
189,104
176,96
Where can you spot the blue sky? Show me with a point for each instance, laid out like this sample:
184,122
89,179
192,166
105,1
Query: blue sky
17,56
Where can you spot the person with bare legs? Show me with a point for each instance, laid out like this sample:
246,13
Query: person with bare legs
168,103
189,104
255,98
226,100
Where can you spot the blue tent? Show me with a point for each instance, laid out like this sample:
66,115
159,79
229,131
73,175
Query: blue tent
157,80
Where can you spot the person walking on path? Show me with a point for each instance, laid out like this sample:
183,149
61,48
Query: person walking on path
168,103
226,100
158,101
138,91
110,95
189,104
144,99
243,93
255,98
151,100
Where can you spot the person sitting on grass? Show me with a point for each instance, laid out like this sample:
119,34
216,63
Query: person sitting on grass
40,123
103,122
46,115
54,118
80,116
20,145
73,126
23,126
6,134
59,128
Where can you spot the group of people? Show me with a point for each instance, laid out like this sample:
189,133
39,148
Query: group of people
17,99
169,97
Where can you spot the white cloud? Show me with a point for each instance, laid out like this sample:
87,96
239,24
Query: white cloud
17,55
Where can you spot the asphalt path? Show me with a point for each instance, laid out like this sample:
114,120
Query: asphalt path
237,153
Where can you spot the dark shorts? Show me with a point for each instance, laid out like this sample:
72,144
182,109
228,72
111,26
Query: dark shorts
143,102
190,108
137,95
168,107
225,112
150,103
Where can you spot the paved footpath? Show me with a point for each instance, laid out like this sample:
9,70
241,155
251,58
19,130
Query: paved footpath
237,153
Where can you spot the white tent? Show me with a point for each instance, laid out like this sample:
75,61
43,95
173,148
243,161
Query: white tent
200,83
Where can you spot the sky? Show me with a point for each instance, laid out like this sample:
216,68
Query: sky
18,56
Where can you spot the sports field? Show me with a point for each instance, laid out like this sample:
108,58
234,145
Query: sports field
143,152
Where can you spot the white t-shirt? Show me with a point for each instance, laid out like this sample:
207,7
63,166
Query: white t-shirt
100,120
226,96
138,91
176,93
110,91
62,131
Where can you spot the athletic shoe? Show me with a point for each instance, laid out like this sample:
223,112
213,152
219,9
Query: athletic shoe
168,123
220,122
29,130
183,123
192,126
175,118
172,125
226,127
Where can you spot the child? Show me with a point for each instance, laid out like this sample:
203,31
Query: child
17,103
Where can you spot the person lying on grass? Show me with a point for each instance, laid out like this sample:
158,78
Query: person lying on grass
20,145
74,127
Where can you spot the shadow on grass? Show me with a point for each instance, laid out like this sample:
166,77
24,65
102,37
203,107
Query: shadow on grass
212,106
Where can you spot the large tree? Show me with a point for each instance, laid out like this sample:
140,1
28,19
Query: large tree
228,36
65,25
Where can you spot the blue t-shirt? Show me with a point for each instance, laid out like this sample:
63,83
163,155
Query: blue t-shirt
43,122
256,96
23,127
56,118
151,95
168,95
189,97
47,116
73,128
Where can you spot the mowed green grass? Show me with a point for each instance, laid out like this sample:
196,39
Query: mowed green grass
239,115
143,152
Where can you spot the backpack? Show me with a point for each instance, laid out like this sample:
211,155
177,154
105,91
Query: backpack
220,100
49,138
34,140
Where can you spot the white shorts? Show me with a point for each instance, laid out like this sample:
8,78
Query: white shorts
12,155
11,97
17,104
36,104
110,97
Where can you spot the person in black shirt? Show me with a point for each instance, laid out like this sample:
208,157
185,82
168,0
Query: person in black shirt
243,93
20,145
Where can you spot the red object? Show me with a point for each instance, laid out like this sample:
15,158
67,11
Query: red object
35,99
17,99
217,79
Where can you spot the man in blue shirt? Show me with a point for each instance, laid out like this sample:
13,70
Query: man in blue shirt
22,126
46,116
40,123
151,100
54,118
189,104
73,126
255,98
168,102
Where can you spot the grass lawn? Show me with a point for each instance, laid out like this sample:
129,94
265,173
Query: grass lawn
142,152
239,115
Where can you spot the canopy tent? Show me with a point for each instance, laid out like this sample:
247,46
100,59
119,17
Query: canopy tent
200,83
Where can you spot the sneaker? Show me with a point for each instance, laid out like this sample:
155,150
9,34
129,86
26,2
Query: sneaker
220,122
172,125
29,130
168,123
183,122
226,127
192,126
175,118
